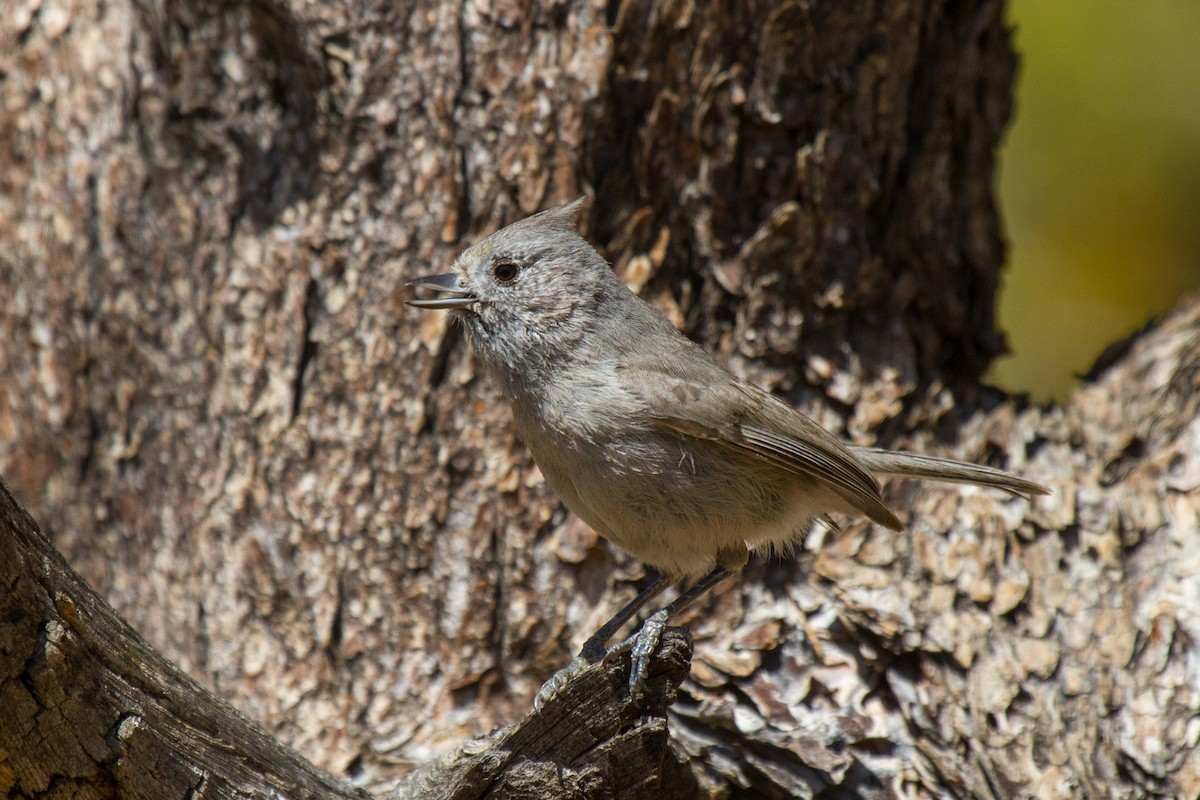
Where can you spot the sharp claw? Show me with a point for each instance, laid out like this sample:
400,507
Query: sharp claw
559,680
544,695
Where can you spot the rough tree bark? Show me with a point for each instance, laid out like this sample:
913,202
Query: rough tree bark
309,500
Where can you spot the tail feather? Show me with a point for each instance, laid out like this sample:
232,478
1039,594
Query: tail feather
911,465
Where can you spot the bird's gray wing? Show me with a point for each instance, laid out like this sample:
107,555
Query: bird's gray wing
691,395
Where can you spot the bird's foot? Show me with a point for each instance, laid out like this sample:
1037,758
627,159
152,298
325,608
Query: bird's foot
559,680
644,643
642,646
592,653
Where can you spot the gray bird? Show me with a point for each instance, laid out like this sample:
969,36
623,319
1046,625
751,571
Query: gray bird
643,435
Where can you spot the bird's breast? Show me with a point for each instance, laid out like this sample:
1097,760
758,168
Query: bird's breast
671,501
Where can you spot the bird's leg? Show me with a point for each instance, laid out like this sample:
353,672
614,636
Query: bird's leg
595,647
646,640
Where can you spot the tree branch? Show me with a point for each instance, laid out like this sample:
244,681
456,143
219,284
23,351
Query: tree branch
90,704
87,702
590,740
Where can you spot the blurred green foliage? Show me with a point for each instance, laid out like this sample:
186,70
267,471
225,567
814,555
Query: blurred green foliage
1099,181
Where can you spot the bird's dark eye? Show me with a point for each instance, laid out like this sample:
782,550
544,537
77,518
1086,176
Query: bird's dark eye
505,271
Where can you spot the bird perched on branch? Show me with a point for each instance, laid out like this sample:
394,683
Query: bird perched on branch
643,435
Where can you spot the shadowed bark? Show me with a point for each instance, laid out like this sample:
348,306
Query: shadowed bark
309,500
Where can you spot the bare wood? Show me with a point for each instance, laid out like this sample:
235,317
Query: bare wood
590,740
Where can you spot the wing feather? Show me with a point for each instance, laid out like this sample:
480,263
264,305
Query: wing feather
699,399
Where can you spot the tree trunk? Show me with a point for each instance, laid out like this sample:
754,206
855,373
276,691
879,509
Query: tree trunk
308,499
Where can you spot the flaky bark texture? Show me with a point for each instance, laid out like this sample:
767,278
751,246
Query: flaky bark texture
310,501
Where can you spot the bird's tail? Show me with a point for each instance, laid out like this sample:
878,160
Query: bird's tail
911,465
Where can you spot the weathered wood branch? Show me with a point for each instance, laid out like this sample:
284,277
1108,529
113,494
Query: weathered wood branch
589,741
89,709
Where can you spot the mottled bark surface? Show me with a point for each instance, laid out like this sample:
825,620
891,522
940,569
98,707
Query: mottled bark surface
311,502
995,650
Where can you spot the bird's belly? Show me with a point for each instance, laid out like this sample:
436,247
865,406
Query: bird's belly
677,504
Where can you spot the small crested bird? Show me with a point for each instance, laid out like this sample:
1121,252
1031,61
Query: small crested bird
643,435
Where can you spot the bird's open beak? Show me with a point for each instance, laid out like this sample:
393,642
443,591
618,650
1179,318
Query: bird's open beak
448,284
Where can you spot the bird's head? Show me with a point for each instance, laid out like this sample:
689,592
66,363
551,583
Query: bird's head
527,293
